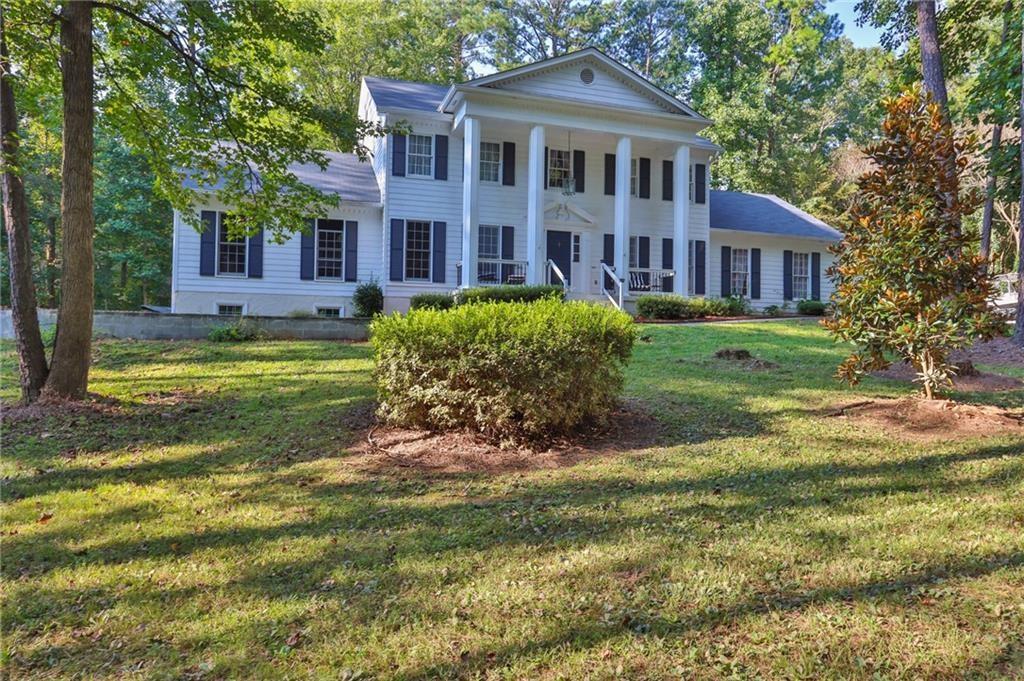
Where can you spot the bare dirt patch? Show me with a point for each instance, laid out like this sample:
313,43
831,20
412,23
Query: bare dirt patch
746,360
388,449
1000,351
933,420
968,380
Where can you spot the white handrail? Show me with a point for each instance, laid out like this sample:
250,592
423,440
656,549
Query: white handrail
618,283
552,267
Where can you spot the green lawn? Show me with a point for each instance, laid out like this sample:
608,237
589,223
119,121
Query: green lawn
210,524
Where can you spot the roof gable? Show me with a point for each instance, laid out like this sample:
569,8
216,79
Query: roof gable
403,94
766,214
610,83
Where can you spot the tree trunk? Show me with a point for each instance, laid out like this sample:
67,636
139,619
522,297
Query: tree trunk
931,57
1018,331
24,312
51,260
69,370
990,184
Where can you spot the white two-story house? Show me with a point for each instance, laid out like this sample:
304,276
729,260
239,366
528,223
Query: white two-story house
574,171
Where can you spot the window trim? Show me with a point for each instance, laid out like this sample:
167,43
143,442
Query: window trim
568,166
634,250
245,240
733,272
480,160
430,252
218,305
634,177
339,308
409,155
316,253
806,277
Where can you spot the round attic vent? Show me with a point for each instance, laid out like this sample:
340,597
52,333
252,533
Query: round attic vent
587,76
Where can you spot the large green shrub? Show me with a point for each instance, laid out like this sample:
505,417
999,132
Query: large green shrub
368,299
814,308
431,301
242,331
507,370
678,307
510,294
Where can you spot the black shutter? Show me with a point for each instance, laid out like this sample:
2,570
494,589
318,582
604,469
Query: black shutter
645,178
666,181
256,255
609,174
397,249
351,249
726,271
787,275
815,276
208,244
440,157
699,269
609,259
755,273
643,256
307,252
579,169
667,283
398,155
440,232
508,164
700,183
508,242
546,161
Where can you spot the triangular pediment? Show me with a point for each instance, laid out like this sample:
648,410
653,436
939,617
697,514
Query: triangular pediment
568,213
588,77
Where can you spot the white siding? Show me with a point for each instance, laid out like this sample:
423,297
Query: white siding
564,82
771,262
281,264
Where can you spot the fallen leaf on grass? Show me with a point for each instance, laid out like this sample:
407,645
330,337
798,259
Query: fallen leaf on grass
45,518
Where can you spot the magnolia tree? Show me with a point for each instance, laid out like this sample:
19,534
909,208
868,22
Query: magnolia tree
908,285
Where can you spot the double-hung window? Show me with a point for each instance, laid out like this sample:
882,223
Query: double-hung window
633,181
740,283
488,254
330,249
490,162
634,253
559,168
420,156
417,250
801,275
231,251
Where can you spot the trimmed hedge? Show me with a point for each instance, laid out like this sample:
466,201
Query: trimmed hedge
678,307
510,371
510,294
815,308
431,301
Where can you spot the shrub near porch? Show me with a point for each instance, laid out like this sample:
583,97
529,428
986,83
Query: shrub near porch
507,370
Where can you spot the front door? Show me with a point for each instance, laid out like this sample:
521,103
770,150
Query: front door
560,252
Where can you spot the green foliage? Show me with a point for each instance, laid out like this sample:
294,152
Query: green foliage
678,307
811,307
906,284
773,311
506,370
368,299
432,301
509,294
242,331
300,314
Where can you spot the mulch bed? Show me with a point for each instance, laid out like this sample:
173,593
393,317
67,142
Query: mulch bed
401,450
1000,352
974,382
933,420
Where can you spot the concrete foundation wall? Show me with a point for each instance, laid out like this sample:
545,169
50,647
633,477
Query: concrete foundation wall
153,326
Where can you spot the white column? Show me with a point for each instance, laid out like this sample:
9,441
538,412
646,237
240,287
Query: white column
623,154
681,218
535,207
470,197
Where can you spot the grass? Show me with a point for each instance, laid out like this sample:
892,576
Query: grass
213,526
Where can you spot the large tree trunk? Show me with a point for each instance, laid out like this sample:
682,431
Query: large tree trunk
69,370
24,317
931,56
1018,331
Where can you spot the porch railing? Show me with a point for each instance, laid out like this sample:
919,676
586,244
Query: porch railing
647,280
612,286
552,269
492,272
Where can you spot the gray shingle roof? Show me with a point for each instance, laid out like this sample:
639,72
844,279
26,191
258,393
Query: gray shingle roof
404,94
345,175
766,214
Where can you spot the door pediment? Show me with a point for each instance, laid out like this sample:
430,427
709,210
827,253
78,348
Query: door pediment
567,213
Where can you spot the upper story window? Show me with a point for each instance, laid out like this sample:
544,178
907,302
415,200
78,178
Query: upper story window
330,249
231,251
801,275
421,156
490,162
740,284
417,250
633,181
559,168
